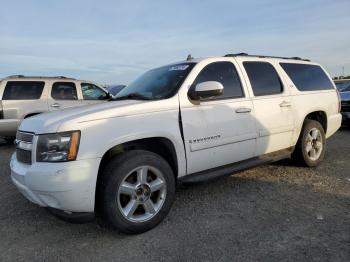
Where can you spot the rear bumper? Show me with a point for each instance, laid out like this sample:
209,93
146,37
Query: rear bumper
8,127
334,123
68,186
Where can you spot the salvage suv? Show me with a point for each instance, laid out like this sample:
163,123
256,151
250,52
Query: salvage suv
25,96
188,121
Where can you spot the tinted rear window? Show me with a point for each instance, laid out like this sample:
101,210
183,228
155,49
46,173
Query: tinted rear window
307,77
23,90
263,78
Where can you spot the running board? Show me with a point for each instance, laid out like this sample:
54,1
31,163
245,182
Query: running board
231,169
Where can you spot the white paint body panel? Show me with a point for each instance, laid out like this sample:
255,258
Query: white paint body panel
215,132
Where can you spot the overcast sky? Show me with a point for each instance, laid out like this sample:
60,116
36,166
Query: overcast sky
115,41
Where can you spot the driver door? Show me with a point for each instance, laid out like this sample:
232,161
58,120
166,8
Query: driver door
220,130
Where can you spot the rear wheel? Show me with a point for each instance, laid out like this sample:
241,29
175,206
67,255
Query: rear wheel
310,148
137,191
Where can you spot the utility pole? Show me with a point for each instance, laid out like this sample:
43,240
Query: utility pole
343,72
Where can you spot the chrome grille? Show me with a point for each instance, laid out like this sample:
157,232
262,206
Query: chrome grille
24,156
24,142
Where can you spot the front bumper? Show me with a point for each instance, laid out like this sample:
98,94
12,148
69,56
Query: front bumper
68,186
8,127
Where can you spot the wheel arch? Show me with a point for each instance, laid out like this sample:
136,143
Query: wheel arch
319,116
158,145
32,114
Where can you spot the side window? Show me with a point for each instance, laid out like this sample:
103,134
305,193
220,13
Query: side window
92,92
263,78
23,90
226,74
307,77
64,91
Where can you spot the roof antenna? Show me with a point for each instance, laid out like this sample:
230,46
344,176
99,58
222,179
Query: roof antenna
189,57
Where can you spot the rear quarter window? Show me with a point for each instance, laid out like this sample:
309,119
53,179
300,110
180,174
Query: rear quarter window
307,77
23,90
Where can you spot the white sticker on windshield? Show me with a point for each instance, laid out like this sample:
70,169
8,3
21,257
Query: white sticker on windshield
178,67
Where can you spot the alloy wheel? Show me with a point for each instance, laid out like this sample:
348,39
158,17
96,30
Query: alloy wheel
314,144
141,194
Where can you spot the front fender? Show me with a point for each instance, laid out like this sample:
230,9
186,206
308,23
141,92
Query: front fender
97,137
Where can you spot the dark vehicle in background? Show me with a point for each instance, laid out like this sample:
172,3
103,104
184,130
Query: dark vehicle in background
114,89
343,87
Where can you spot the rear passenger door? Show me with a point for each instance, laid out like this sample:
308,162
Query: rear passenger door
272,104
63,95
221,130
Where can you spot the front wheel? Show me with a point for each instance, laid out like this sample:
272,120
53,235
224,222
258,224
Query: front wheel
311,146
137,191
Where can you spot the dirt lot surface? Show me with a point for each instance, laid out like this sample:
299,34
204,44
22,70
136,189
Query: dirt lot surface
279,212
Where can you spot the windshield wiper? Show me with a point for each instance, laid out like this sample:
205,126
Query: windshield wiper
136,96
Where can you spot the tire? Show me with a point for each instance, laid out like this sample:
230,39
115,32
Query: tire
311,146
140,182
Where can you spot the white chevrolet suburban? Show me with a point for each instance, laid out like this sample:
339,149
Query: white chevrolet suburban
186,121
25,96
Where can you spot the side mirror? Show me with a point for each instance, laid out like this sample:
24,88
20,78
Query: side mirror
206,90
108,96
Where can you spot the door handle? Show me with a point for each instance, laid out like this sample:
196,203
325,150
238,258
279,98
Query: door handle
243,110
285,104
56,105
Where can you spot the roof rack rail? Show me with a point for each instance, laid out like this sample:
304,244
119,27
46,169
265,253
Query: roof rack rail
64,77
238,54
266,56
23,76
15,76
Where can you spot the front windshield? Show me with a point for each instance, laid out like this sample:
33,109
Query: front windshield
343,86
158,83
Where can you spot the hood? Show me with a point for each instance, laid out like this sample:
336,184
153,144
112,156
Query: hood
67,119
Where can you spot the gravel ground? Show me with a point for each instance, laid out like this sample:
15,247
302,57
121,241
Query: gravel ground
278,212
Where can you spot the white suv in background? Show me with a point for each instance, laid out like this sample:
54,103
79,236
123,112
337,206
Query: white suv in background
23,96
188,121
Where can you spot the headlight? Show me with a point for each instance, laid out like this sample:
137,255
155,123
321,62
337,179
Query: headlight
58,147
